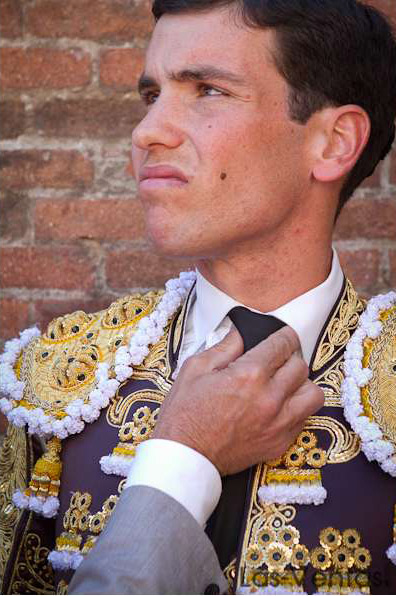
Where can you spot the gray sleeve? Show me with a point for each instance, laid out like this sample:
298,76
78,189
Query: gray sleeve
151,545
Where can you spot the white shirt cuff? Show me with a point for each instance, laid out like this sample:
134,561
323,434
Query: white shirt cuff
180,472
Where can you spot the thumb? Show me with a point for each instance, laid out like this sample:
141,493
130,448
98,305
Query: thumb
223,353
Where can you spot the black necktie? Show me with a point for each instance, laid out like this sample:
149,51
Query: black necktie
224,525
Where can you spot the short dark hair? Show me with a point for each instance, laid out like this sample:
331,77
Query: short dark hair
331,53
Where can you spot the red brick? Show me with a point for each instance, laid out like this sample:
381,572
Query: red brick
13,119
106,219
367,218
14,217
14,317
121,68
392,259
46,310
43,68
141,269
109,118
374,181
116,20
362,267
11,18
49,267
47,169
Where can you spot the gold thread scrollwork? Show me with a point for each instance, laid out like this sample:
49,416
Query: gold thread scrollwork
12,477
34,575
340,328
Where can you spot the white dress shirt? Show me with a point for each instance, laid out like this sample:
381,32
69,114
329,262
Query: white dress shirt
178,470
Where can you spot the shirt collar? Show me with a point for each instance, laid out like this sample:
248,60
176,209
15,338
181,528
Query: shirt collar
306,314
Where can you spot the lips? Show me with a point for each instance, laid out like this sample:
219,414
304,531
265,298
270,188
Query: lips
163,173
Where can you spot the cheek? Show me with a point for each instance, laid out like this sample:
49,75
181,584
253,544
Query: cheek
137,156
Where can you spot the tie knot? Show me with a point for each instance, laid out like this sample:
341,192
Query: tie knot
253,327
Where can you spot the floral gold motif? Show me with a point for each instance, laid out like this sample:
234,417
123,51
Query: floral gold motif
340,328
382,388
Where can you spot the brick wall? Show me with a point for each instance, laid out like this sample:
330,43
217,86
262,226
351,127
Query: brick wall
72,233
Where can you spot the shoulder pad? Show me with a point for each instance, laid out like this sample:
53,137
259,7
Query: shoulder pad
369,389
61,365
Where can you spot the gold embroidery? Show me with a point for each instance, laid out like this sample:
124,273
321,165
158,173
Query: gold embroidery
330,381
60,367
78,520
339,562
33,575
230,572
47,472
265,519
344,445
292,476
340,328
330,538
129,309
379,399
70,326
320,558
62,587
12,477
119,407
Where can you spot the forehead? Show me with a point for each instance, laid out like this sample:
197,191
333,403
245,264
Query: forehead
214,37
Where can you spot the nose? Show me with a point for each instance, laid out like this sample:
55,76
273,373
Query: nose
161,126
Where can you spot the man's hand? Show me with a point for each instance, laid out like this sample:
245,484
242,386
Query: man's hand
240,409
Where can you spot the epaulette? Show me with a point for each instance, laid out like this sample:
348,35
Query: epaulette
55,383
368,391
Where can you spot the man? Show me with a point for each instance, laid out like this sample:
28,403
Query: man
262,119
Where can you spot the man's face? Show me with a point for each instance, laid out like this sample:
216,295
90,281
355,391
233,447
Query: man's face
219,164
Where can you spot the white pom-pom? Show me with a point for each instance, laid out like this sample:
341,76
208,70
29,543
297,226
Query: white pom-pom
62,560
391,553
20,500
116,464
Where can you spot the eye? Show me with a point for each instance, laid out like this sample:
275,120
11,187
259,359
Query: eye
209,91
149,97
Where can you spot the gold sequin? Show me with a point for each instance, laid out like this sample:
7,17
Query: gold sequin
307,440
84,501
330,538
110,503
320,558
142,415
278,556
74,499
266,536
97,522
294,457
362,558
83,523
351,538
254,556
289,536
300,556
317,458
342,559
126,431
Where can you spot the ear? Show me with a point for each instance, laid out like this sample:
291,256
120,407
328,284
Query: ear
343,133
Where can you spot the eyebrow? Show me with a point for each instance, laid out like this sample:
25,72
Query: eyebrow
191,74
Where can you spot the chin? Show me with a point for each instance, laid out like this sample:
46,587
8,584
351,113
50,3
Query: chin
167,244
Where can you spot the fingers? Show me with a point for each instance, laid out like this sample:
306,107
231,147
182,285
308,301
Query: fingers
275,351
222,354
305,402
289,378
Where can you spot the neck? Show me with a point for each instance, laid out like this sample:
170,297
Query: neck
271,277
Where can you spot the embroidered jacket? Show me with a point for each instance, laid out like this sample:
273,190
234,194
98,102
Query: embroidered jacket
317,520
